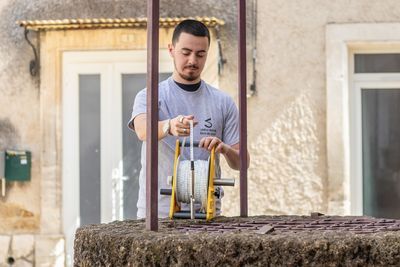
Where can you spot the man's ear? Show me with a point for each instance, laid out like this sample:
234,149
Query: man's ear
171,50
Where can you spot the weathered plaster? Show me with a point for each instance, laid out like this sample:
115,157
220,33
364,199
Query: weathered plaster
291,62
17,250
9,134
19,109
17,219
4,247
22,246
284,176
49,250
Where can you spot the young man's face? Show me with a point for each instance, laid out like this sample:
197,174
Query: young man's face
189,54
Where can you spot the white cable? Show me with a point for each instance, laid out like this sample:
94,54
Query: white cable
184,182
184,177
193,180
191,140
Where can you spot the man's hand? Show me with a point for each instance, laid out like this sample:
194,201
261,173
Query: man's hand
180,125
211,141
230,152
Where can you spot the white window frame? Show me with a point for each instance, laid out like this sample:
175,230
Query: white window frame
342,41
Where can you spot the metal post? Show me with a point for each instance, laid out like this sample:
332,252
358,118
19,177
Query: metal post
242,105
153,7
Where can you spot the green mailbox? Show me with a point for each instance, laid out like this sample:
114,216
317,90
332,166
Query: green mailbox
18,165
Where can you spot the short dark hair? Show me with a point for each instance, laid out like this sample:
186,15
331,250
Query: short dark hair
193,27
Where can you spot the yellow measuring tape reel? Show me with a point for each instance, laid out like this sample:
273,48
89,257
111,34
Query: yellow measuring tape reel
201,191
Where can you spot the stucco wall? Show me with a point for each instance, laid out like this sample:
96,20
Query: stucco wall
19,124
287,118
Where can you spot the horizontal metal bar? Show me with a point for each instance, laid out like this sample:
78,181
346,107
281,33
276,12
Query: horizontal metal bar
166,192
217,182
187,143
186,215
225,182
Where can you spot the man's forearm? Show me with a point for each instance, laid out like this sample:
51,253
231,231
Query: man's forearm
141,126
230,152
232,156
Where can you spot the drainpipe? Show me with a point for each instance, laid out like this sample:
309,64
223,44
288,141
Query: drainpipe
221,59
254,52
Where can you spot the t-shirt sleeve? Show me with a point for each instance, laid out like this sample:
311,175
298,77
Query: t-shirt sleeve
230,133
139,107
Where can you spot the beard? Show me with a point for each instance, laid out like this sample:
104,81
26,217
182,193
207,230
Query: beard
188,77
191,76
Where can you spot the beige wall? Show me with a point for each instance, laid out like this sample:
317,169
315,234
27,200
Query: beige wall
287,118
19,129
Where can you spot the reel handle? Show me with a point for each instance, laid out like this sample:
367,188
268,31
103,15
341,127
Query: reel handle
187,143
166,191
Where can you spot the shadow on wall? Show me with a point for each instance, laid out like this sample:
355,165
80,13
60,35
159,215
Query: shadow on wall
9,136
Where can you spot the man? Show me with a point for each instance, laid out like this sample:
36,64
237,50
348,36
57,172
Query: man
184,97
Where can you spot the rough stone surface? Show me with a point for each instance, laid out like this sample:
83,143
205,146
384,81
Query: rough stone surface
128,243
49,250
22,246
4,247
22,263
16,219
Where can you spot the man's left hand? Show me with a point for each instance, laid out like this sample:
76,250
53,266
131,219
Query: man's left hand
210,142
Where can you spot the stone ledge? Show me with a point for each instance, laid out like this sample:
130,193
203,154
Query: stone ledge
128,243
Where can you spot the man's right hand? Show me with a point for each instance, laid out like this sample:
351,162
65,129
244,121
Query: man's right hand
180,125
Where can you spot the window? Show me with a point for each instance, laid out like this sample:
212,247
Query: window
359,56
376,63
377,132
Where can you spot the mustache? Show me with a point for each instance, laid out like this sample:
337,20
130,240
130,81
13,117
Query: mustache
191,67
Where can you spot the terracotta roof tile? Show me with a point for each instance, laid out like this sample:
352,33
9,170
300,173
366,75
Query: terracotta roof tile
106,23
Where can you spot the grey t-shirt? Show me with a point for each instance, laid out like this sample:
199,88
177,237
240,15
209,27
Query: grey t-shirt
217,115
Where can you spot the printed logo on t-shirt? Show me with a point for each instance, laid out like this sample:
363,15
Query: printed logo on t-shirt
208,131
208,123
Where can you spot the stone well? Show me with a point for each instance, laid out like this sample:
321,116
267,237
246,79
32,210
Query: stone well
259,241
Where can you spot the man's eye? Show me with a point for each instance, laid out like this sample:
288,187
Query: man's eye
186,53
200,55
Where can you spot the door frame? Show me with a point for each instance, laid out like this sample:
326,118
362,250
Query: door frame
110,65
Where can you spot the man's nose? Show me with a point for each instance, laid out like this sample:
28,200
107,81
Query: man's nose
192,59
